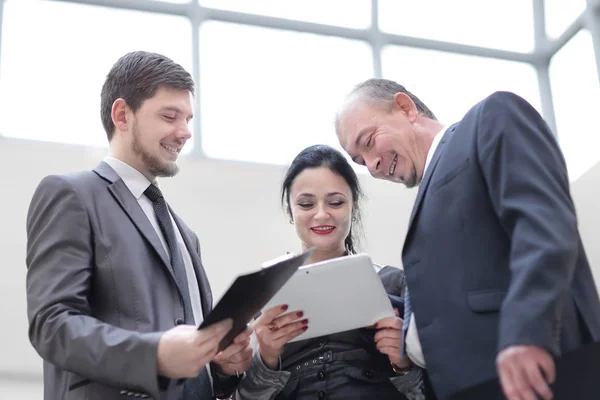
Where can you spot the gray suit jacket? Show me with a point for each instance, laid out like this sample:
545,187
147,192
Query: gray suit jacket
100,290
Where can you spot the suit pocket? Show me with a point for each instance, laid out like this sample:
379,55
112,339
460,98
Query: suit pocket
488,300
79,384
450,176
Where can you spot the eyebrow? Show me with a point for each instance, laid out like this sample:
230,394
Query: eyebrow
312,195
175,109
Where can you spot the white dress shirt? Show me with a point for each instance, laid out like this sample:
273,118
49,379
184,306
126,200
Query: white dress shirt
413,344
137,183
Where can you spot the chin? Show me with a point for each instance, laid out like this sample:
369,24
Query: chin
165,170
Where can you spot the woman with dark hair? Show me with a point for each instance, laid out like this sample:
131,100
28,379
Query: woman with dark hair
321,194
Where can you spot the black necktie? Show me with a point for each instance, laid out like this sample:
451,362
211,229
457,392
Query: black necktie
196,388
166,226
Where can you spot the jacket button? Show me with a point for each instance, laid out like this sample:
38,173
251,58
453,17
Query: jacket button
368,374
321,394
178,321
321,375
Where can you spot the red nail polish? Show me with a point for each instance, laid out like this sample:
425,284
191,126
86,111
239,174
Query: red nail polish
284,307
375,326
305,328
299,314
305,321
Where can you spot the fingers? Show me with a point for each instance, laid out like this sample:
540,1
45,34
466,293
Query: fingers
287,319
388,342
234,354
217,329
271,313
521,385
286,329
237,363
390,333
244,336
547,365
289,331
534,375
208,339
389,322
233,349
520,370
508,385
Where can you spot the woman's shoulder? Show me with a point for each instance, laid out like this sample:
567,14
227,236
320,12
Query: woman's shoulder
392,279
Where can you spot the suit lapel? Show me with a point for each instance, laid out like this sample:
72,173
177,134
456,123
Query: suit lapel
205,292
427,177
129,204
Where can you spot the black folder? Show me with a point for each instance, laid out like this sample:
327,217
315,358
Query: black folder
249,293
577,378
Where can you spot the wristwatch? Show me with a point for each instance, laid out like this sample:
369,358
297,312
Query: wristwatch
401,371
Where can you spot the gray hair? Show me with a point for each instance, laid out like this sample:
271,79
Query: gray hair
384,90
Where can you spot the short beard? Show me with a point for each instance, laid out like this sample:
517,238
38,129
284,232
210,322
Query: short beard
152,164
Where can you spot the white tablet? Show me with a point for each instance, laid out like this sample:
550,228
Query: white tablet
336,295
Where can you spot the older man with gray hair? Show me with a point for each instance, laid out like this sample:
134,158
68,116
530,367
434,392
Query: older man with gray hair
498,280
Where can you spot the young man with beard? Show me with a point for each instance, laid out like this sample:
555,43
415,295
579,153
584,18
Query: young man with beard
115,282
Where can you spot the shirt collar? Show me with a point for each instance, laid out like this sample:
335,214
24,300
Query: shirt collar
135,181
434,145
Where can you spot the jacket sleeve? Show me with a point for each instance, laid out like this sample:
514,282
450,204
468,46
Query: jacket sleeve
261,383
528,186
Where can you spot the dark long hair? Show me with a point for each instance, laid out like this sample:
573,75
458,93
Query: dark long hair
321,155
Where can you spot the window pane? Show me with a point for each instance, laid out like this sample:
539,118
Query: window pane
506,25
576,94
266,94
450,84
55,56
351,14
560,14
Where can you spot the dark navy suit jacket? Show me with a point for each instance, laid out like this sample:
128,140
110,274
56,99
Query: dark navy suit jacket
493,255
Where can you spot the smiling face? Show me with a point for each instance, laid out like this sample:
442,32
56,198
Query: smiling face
384,139
151,138
321,206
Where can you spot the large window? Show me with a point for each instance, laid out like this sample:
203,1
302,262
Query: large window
272,73
346,13
576,93
560,14
450,84
506,24
266,94
55,56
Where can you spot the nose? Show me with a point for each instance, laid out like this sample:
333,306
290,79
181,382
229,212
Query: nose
184,132
373,165
322,213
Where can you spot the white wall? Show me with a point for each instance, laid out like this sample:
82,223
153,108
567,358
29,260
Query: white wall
234,208
586,195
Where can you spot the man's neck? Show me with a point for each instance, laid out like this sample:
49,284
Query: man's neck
133,163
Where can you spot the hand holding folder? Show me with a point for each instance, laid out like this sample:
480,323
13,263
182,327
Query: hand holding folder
249,293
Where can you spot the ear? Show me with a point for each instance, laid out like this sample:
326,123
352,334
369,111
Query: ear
405,104
120,114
